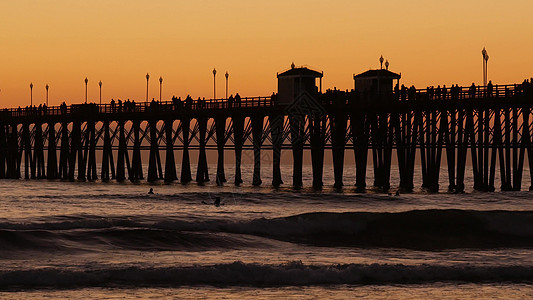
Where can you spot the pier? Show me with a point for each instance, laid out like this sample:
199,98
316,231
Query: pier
491,127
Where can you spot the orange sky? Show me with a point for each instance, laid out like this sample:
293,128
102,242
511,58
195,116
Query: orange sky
60,42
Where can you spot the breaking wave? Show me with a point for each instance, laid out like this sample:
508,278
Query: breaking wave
417,229
243,274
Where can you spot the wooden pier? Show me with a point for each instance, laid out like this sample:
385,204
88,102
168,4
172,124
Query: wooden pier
491,127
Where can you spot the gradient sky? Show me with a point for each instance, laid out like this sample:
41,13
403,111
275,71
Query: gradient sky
60,42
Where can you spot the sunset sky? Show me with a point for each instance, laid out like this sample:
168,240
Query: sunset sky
60,42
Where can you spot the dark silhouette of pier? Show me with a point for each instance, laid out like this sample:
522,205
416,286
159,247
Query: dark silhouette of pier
491,125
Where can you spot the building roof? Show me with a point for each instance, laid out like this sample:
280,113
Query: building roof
381,73
301,72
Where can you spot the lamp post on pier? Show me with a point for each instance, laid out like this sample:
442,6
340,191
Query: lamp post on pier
86,81
227,75
160,87
485,65
147,78
214,83
31,94
47,86
100,85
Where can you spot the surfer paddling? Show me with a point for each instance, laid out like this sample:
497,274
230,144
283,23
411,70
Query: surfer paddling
215,203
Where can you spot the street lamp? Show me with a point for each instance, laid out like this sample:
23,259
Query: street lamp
227,75
100,85
486,69
485,60
31,94
160,87
86,81
147,77
47,94
214,84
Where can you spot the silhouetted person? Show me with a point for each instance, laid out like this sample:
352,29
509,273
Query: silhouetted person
230,101
151,191
412,93
490,89
274,99
472,90
238,99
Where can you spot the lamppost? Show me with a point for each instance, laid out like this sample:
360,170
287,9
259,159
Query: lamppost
160,87
147,77
214,84
485,65
227,75
86,81
100,85
31,94
47,94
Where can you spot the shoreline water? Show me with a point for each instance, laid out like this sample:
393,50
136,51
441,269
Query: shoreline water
115,240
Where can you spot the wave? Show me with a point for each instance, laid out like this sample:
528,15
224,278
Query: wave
254,274
141,239
417,229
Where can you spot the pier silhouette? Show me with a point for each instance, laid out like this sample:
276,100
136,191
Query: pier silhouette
491,125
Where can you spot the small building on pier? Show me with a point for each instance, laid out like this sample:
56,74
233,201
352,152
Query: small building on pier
377,81
296,81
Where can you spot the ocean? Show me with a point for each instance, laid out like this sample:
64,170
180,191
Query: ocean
71,240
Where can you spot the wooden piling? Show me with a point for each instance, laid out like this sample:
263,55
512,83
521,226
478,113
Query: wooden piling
297,123
51,168
170,163
276,128
202,174
338,141
185,161
220,127
257,137
238,139
317,127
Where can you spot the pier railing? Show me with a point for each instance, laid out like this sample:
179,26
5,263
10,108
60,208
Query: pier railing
331,97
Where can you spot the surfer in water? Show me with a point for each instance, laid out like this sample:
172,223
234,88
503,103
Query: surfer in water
215,203
151,191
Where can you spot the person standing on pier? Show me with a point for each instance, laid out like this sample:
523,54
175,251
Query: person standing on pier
230,101
490,89
472,91
238,99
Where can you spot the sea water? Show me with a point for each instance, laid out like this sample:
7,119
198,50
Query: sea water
65,240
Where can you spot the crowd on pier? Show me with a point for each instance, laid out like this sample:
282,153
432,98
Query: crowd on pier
331,96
